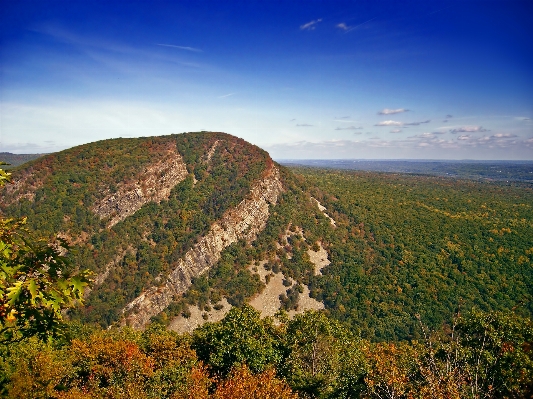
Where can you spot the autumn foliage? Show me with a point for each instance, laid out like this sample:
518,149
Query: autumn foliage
478,355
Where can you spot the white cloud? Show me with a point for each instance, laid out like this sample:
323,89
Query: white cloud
428,145
304,125
342,26
387,111
389,123
349,128
310,25
396,123
396,130
227,95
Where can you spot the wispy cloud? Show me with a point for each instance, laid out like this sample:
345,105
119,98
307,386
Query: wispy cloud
416,123
349,128
431,143
396,130
310,25
389,123
227,95
351,28
468,129
403,124
303,125
426,135
387,111
196,50
342,26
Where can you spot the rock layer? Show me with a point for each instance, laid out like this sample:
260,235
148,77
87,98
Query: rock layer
154,185
244,221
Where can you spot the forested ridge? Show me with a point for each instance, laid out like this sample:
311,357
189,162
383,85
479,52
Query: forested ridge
427,293
66,186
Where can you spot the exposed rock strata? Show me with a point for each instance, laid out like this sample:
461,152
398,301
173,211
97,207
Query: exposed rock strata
207,157
323,210
244,221
155,185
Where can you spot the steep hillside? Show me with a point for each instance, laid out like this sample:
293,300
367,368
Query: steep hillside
148,212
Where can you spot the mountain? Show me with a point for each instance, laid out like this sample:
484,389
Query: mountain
151,215
181,228
14,160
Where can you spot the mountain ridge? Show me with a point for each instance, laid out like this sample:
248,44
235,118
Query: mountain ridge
392,246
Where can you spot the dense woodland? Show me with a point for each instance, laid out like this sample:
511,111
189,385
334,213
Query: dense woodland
478,355
428,292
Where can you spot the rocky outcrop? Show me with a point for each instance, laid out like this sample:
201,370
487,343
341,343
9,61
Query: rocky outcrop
207,157
153,185
22,187
323,210
244,221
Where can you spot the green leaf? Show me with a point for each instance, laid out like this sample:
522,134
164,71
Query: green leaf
5,250
34,290
14,292
78,283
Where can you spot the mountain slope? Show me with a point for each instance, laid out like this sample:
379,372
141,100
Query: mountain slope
137,207
244,221
180,228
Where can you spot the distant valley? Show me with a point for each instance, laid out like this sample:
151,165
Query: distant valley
508,171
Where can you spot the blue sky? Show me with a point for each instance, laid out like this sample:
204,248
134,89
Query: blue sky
301,79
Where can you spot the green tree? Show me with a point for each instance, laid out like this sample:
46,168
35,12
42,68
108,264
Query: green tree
37,282
497,348
241,338
323,358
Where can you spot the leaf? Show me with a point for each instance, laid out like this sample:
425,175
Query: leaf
5,250
14,292
34,290
78,283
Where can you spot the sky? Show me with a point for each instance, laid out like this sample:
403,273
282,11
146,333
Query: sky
330,79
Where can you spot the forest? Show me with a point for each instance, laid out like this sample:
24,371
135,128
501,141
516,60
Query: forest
476,355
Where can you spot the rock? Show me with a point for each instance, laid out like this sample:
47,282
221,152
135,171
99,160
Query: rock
244,221
155,185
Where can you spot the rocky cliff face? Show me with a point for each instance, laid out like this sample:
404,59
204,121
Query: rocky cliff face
244,221
154,185
22,188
